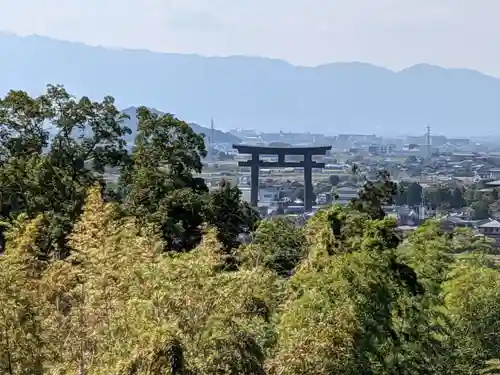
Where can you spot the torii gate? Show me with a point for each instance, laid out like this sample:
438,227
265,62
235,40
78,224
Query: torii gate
308,164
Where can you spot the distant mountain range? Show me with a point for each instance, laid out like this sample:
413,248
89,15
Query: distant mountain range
259,93
218,136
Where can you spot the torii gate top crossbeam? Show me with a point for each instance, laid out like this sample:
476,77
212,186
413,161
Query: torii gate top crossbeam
248,149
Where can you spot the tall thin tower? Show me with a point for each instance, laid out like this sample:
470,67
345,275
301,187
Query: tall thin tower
428,134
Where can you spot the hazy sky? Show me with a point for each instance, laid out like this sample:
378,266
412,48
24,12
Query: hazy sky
392,33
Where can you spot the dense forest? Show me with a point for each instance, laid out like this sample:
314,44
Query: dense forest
145,274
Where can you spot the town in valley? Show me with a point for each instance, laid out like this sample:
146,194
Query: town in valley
454,180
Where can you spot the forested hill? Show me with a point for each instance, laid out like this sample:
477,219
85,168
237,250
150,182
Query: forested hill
264,94
218,136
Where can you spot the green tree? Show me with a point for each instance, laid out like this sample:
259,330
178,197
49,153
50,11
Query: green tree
230,215
409,194
465,240
457,198
445,197
50,172
342,294
469,195
334,179
480,210
375,195
278,244
494,194
159,184
472,299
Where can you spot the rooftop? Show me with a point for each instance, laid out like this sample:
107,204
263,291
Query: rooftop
491,224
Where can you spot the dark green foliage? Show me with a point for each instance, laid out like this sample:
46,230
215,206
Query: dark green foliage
444,197
480,210
409,194
230,215
334,179
280,245
375,195
50,172
158,184
167,359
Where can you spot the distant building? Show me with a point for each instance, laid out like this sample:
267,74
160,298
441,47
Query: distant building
493,173
382,149
363,138
491,229
487,174
451,222
290,210
268,194
459,142
494,183
461,156
436,140
245,193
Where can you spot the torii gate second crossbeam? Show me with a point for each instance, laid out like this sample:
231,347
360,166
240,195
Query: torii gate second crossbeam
308,164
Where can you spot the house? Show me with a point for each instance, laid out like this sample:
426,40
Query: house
491,229
494,184
488,174
450,222
381,149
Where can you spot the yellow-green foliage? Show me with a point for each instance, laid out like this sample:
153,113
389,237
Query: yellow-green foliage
472,297
277,244
120,306
117,304
322,323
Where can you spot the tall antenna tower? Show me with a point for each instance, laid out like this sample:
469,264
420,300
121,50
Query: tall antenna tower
428,136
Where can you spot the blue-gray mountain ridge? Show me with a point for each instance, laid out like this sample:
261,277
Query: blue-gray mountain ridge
260,93
217,135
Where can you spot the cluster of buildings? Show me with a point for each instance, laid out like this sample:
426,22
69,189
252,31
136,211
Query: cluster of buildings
426,159
364,143
487,228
